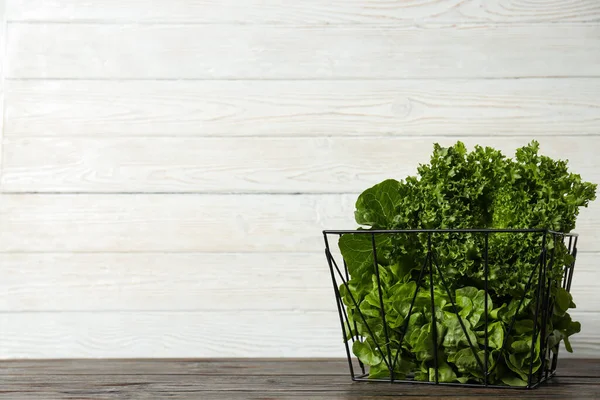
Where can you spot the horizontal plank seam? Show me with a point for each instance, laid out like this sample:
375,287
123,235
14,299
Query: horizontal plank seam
292,136
250,373
423,23
231,253
208,374
252,360
104,193
11,192
177,311
182,193
249,360
580,252
458,78
235,311
341,387
299,311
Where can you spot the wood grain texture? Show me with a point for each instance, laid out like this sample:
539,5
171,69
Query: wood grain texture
197,334
245,165
202,366
194,282
305,12
162,384
2,70
572,367
190,223
192,366
161,281
470,107
136,51
170,334
139,222
273,385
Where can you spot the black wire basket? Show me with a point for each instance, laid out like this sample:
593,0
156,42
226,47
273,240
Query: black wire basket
548,254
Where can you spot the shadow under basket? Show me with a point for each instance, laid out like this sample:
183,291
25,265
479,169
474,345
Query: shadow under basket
405,309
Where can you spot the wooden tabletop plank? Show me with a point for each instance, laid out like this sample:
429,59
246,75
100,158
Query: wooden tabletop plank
246,366
250,379
275,387
177,367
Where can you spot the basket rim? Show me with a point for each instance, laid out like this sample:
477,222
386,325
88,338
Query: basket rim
462,230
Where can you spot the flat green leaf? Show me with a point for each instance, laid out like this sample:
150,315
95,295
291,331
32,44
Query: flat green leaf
379,371
498,313
367,353
455,335
513,381
357,250
523,326
568,344
496,335
521,346
466,362
563,300
377,206
445,373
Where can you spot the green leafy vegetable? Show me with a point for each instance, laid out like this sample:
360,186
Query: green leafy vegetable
461,189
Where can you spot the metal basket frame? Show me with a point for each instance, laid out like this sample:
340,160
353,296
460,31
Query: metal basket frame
542,302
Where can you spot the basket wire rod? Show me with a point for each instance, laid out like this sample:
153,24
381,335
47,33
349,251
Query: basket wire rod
460,320
451,384
567,267
345,266
433,316
547,309
537,311
485,289
337,295
552,368
360,363
570,243
380,290
573,265
514,318
412,303
354,302
346,315
564,286
343,308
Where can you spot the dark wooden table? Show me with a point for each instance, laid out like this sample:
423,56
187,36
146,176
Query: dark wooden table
251,379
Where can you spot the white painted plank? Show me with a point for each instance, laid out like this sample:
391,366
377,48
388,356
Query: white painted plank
136,51
307,11
141,222
165,281
2,68
194,282
584,287
196,334
170,334
192,223
585,343
301,108
227,165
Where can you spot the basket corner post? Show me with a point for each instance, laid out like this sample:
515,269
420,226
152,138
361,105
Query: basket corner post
340,305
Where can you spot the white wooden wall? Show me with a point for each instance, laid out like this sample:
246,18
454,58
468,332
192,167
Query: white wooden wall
168,166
